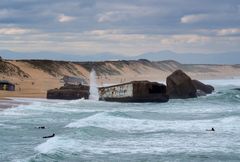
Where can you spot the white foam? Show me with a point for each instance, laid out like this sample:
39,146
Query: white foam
142,135
54,144
13,112
218,82
223,82
8,126
151,145
103,120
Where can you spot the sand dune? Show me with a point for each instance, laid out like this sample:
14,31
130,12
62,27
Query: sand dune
34,77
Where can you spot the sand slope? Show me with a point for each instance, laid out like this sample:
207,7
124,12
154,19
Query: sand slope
34,77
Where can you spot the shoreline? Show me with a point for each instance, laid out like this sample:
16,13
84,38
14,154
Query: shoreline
7,103
35,93
7,95
4,98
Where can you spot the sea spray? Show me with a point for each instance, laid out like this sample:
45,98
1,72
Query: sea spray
93,86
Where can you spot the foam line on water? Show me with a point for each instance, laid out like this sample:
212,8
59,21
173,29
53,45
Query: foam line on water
152,145
43,106
51,145
103,120
7,126
223,82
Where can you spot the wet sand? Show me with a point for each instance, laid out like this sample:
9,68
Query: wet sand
6,103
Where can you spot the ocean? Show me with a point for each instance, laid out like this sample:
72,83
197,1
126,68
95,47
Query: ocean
103,131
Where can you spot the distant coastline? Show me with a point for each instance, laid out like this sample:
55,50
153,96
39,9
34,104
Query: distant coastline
34,77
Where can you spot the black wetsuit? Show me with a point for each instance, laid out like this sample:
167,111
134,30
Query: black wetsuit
42,127
49,136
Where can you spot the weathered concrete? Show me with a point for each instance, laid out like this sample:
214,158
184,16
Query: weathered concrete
69,92
135,91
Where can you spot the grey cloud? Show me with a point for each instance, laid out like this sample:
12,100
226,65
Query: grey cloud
124,14
146,18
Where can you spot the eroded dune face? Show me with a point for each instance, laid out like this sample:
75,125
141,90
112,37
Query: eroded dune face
9,69
35,77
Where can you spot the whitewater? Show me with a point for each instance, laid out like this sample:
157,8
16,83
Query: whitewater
88,130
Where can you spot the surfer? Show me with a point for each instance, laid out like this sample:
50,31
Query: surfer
49,136
41,127
211,129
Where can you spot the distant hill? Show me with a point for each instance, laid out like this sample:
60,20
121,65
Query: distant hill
194,58
186,58
7,54
58,69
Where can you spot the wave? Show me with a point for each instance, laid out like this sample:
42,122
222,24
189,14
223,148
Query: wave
7,126
155,144
91,129
51,145
228,96
131,125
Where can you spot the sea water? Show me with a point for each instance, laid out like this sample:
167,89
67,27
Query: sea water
87,130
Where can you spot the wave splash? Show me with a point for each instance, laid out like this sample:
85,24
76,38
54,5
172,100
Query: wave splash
93,86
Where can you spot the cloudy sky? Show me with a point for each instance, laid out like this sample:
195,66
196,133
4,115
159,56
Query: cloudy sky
128,27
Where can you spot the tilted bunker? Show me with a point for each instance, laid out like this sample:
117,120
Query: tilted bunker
135,91
69,92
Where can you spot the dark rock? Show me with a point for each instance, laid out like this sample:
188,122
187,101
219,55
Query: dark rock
236,89
208,89
180,86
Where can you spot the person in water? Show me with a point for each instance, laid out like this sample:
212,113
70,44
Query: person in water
211,129
42,127
49,136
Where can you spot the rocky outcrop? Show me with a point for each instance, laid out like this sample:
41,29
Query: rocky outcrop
236,89
208,89
180,86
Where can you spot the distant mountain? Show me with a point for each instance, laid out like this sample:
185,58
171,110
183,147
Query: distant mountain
187,58
7,54
194,58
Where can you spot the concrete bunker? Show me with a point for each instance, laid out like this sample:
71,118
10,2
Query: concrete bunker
69,92
135,91
6,85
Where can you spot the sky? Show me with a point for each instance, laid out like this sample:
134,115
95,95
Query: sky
128,27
